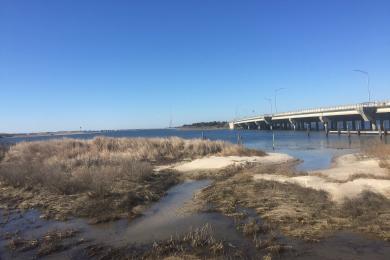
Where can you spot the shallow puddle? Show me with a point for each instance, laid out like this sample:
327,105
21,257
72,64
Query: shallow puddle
161,221
166,218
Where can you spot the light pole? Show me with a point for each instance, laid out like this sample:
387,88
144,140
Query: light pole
270,102
271,128
368,82
276,91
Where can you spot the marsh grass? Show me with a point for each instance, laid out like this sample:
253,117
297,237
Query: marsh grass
380,151
3,150
219,174
71,166
367,176
198,243
295,210
368,213
51,242
103,177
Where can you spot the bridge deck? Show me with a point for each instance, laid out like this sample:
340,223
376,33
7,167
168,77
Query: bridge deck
377,113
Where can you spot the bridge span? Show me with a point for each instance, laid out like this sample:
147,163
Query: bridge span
370,117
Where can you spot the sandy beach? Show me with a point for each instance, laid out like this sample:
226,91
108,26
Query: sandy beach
348,177
221,162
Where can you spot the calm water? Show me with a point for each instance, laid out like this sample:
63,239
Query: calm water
316,151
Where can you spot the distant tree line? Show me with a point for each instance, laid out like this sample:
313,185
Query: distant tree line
213,124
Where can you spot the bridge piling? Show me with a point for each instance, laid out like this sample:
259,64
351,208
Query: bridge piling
362,125
326,128
344,125
373,126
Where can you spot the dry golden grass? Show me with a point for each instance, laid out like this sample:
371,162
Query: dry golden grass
90,177
69,166
3,150
52,242
381,151
297,211
198,243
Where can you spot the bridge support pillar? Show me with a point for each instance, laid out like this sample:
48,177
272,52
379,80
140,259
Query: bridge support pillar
369,114
327,123
373,125
353,125
362,124
293,124
268,122
344,125
381,126
326,127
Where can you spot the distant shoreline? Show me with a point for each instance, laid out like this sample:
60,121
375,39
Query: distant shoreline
67,133
206,125
47,134
201,128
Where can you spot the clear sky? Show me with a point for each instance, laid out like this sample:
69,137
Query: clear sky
127,64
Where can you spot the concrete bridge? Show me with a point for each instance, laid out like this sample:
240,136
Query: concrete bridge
371,117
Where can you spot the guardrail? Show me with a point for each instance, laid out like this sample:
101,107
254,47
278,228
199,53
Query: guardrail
253,117
321,110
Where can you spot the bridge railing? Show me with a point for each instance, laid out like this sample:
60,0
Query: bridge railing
335,108
251,118
320,110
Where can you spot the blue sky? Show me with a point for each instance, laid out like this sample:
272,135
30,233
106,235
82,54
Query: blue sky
127,64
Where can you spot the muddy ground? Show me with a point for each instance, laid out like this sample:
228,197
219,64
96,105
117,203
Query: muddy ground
297,211
128,202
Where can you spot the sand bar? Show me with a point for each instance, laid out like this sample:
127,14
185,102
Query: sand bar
347,178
